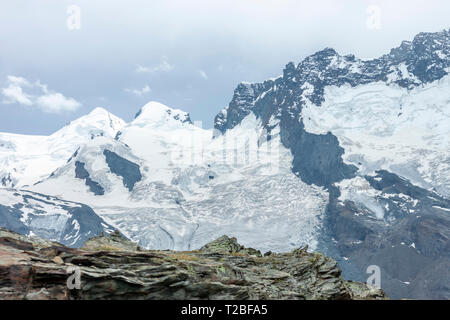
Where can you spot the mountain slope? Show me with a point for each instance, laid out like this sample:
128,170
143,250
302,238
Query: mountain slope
51,218
348,122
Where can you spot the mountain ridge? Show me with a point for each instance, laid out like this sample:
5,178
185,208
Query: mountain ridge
323,155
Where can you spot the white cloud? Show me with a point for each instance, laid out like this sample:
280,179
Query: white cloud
139,92
203,74
56,102
14,94
42,86
44,99
19,81
164,66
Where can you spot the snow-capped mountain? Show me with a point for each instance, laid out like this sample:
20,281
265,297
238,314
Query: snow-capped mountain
26,159
350,157
166,184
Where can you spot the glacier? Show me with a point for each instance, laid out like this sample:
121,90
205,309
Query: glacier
190,192
383,126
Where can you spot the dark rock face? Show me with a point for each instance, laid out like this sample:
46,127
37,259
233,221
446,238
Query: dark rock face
411,240
82,173
90,224
129,171
48,217
10,219
7,181
241,105
318,159
32,268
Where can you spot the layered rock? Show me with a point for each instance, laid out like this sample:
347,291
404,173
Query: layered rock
32,268
110,242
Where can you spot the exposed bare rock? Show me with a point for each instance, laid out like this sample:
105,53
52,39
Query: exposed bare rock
225,245
112,242
34,269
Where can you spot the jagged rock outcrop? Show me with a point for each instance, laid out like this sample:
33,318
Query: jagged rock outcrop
32,268
110,242
226,245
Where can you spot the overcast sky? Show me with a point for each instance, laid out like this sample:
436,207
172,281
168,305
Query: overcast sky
186,54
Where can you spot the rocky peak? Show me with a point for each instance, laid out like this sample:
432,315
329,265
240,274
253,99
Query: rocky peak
317,158
323,56
241,105
227,245
426,59
114,241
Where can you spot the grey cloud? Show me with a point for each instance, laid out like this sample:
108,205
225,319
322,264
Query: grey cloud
164,43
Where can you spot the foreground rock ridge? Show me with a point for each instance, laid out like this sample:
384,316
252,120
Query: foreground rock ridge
112,267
